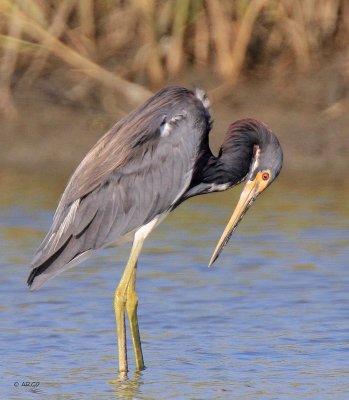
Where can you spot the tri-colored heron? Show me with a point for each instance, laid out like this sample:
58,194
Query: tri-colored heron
137,173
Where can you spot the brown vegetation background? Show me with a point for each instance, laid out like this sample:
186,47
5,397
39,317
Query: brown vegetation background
71,68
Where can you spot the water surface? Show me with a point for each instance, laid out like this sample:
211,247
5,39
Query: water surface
268,321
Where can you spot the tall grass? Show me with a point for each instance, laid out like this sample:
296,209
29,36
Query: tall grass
92,48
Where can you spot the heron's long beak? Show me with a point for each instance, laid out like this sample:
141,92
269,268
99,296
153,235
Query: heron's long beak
251,190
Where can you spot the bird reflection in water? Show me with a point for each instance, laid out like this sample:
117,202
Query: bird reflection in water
127,388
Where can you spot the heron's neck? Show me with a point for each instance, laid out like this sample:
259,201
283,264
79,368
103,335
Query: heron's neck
216,174
224,172
233,163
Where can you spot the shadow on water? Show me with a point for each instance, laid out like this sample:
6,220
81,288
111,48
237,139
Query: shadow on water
269,320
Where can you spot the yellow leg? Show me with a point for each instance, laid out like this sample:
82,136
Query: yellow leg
120,303
119,306
131,307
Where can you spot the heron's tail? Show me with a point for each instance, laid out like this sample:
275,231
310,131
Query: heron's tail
64,258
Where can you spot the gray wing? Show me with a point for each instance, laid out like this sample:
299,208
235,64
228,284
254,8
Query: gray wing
137,171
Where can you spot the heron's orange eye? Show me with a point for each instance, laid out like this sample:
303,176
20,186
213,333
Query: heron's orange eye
265,176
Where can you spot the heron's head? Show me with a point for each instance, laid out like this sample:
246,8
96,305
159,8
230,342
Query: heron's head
252,141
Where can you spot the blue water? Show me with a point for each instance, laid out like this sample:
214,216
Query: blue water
268,321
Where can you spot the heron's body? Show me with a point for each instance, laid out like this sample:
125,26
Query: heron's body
105,203
144,167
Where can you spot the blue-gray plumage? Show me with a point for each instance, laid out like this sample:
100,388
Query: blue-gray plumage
140,170
133,174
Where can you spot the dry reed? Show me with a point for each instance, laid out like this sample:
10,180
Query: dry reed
127,46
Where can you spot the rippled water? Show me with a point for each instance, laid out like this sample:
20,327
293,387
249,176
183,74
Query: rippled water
268,321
